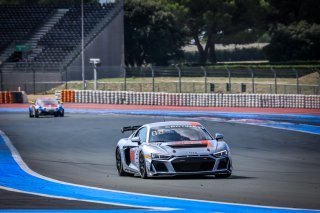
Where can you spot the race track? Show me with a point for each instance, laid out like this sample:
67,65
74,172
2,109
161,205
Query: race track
272,167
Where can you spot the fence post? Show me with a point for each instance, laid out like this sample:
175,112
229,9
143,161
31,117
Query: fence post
66,76
229,76
318,71
297,77
26,87
179,71
34,80
1,82
125,79
26,66
275,80
94,77
205,79
152,73
252,80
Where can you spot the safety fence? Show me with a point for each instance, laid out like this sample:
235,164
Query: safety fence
171,79
7,97
191,99
223,79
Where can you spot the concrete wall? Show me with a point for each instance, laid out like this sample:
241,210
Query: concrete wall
29,82
109,47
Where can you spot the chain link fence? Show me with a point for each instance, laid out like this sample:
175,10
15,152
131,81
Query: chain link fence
46,78
223,80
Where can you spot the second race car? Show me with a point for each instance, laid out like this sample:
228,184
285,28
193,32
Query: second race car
46,106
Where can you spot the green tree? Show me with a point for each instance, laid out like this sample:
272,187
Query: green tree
52,2
152,33
289,11
221,21
295,30
298,41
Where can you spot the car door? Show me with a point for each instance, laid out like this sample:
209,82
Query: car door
134,149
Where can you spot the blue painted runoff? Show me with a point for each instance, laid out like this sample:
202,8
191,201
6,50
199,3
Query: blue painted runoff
14,177
296,127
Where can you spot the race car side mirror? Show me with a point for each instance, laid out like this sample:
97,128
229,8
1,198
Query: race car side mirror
135,140
218,136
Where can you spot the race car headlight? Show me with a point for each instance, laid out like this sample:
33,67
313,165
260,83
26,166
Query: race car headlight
159,156
223,153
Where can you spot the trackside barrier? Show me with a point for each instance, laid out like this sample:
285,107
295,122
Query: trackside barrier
57,94
68,96
11,97
192,99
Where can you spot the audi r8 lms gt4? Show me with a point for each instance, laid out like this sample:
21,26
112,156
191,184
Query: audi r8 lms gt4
172,148
46,106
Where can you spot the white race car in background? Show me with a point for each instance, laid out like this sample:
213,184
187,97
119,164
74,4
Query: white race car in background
172,148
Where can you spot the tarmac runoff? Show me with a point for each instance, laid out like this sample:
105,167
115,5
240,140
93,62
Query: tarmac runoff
307,123
16,176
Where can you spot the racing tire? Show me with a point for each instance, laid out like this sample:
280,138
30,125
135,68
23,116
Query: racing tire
62,113
221,176
119,164
31,115
142,166
36,114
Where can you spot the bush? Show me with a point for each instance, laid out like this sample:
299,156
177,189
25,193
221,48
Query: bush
298,41
244,54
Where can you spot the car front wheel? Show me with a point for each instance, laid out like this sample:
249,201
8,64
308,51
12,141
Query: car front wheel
36,114
31,115
121,172
142,166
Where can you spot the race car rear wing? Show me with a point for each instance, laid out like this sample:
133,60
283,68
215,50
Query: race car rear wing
129,128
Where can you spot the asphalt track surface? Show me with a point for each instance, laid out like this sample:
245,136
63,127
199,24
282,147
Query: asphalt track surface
272,167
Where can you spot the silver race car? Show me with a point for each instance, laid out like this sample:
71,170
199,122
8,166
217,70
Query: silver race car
172,148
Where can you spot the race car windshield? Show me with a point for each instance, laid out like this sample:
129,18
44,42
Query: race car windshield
49,102
178,133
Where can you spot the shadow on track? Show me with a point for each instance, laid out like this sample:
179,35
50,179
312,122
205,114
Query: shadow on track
193,177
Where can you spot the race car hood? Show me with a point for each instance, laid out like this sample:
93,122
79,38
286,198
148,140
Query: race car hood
51,106
187,147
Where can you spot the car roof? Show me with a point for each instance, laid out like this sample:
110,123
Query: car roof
166,123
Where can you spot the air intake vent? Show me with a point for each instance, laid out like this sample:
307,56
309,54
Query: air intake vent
180,146
193,164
